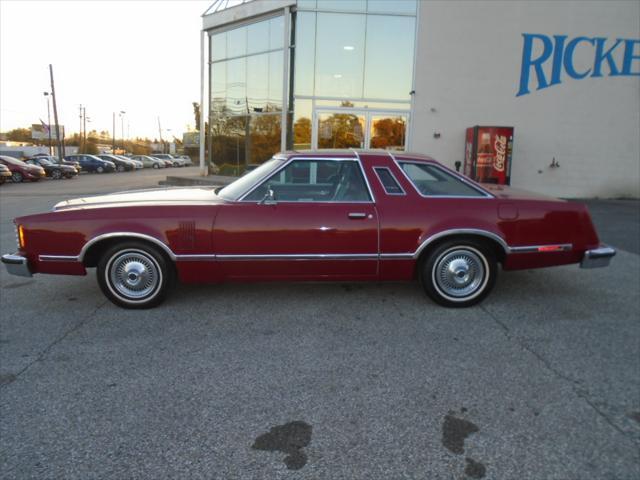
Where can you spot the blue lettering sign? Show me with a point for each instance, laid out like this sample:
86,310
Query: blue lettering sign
612,58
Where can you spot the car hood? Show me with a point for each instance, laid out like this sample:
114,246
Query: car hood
153,197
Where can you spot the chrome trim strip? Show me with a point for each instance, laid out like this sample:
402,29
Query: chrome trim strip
463,179
195,257
396,256
375,169
303,256
58,258
561,247
141,236
462,231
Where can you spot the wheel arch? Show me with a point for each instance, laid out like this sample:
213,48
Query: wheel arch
497,244
92,250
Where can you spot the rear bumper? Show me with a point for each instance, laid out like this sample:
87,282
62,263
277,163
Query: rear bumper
598,257
17,265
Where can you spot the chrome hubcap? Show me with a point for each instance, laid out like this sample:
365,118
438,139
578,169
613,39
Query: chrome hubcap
459,273
134,274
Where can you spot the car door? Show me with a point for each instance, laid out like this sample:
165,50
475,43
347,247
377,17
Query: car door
320,223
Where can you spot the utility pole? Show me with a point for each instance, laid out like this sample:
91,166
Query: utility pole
84,128
113,146
55,115
80,129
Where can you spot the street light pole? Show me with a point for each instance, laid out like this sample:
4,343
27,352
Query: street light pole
55,115
122,113
113,146
46,94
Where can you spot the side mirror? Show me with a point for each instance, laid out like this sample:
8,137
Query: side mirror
269,198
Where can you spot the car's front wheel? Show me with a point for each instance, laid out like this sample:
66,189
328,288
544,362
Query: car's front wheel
100,169
56,174
16,177
135,275
459,273
155,165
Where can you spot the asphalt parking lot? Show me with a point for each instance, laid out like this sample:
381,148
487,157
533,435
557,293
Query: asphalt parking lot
321,381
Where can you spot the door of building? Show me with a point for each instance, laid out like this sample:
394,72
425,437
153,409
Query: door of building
353,128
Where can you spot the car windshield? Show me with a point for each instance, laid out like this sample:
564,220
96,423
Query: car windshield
234,190
43,161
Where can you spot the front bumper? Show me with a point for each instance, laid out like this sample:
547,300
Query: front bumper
598,257
17,265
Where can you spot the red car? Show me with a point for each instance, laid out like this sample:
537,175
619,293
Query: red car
21,171
331,215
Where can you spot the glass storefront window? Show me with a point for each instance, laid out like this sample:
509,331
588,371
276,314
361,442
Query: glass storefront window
342,5
276,33
237,42
388,132
257,37
340,130
340,41
302,124
305,53
389,57
257,82
275,81
407,7
237,86
218,46
218,93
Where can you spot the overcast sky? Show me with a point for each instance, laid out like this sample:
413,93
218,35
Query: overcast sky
142,57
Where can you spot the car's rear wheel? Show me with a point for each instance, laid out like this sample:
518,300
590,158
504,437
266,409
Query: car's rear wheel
155,165
459,273
120,168
56,174
135,275
16,177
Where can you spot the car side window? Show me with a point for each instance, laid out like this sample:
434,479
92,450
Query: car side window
388,181
315,181
430,180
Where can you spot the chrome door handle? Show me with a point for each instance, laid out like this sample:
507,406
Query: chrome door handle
357,215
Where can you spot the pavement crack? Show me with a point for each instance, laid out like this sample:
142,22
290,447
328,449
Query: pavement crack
575,385
58,340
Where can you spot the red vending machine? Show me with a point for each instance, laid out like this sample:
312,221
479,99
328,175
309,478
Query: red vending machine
487,154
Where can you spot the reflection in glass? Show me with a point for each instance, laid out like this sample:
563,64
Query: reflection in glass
389,58
407,7
339,55
306,4
276,33
237,86
218,46
218,86
305,53
389,132
275,81
257,82
237,42
264,141
340,130
302,125
257,37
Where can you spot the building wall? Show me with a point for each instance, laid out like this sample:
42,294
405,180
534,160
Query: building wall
468,72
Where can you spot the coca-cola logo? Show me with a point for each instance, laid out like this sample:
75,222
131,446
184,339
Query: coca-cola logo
500,146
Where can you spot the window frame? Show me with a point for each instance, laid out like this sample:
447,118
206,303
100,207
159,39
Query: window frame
242,198
395,179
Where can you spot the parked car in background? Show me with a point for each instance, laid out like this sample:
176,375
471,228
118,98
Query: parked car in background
312,216
122,165
91,163
149,162
136,163
57,161
20,171
187,160
5,173
167,163
53,170
176,162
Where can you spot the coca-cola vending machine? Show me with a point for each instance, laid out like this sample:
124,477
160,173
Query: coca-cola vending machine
487,154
